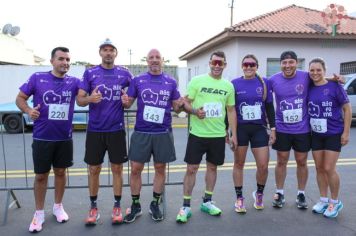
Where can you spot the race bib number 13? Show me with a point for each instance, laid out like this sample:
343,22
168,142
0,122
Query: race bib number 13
58,111
251,112
213,109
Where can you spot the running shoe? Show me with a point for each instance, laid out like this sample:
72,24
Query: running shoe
320,207
258,197
184,214
132,213
240,206
278,200
155,211
59,213
301,202
116,216
37,222
333,209
210,208
93,217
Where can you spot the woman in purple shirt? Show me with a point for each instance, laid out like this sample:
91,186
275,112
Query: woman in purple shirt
330,120
253,102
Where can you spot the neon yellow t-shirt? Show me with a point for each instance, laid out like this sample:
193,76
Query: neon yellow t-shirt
213,95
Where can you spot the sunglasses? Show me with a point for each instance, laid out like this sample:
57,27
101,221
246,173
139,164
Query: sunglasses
217,62
249,64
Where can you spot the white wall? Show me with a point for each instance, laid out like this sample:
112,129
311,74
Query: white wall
12,77
333,52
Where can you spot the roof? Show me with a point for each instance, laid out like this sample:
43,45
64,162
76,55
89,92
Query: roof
288,22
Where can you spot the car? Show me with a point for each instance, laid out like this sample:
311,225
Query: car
14,121
350,88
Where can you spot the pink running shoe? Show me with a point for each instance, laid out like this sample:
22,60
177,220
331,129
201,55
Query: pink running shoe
37,222
59,213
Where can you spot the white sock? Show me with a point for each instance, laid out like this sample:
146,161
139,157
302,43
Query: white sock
40,214
333,201
324,199
281,191
301,191
57,205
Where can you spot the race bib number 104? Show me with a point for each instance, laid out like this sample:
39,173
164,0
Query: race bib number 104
213,109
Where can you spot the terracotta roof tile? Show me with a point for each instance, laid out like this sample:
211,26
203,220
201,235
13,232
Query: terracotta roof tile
293,19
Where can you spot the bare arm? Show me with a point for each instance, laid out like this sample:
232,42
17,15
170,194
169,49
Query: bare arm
231,116
347,123
21,102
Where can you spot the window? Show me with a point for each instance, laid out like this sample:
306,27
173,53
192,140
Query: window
274,66
348,68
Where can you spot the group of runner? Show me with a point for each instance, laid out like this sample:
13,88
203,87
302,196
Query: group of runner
247,102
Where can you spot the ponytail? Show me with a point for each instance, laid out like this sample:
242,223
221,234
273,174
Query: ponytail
264,96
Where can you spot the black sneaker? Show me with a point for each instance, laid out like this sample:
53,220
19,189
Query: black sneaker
278,200
132,213
155,211
301,203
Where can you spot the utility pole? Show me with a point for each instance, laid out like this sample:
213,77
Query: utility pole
232,12
130,53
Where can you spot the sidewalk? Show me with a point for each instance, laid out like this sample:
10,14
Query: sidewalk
286,221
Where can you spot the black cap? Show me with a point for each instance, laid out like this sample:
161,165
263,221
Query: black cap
288,55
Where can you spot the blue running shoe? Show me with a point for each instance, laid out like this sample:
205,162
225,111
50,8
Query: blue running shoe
333,209
320,207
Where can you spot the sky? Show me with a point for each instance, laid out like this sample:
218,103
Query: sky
172,26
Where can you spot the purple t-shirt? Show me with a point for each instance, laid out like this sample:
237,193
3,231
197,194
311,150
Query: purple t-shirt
56,97
108,114
250,107
325,108
291,95
154,94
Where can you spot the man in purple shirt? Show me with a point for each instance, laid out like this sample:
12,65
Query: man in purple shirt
53,105
290,87
101,88
156,93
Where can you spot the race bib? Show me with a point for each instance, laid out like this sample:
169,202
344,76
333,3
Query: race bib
318,125
58,111
153,114
292,116
213,109
251,112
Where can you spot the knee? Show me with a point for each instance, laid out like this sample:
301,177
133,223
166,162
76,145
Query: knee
116,169
59,172
94,170
160,170
239,165
329,169
211,168
192,170
135,172
302,163
263,168
41,178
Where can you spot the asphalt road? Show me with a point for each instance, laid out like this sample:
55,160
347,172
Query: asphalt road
270,221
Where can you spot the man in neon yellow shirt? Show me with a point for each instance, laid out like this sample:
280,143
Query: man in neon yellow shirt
210,97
